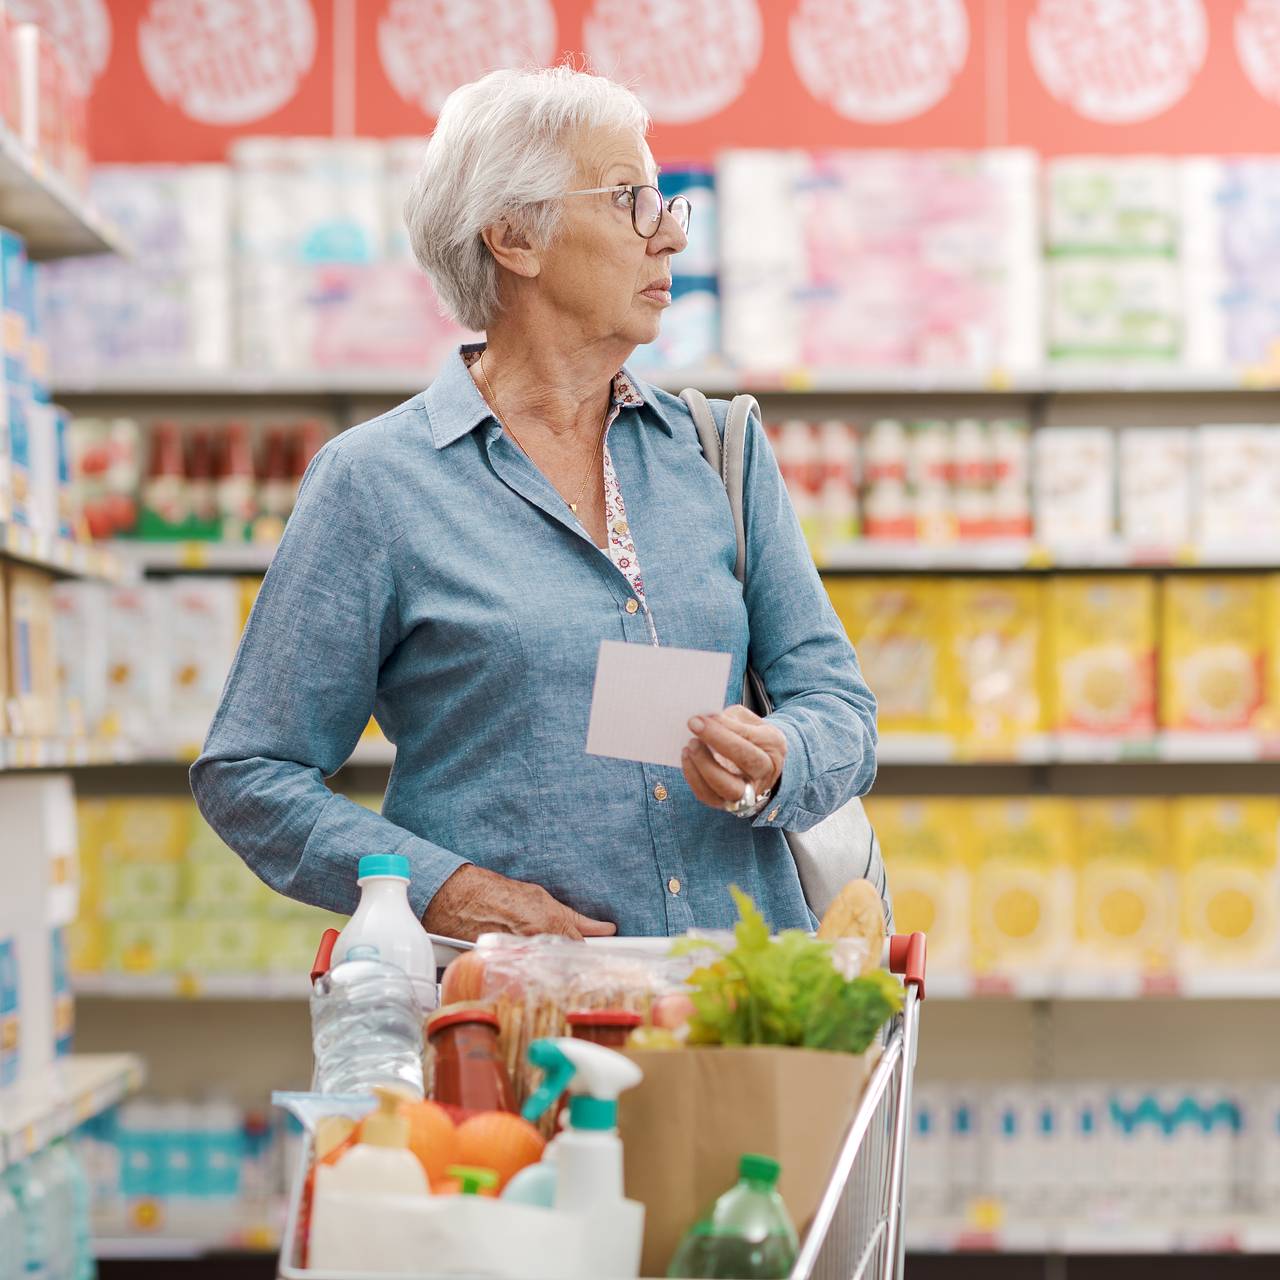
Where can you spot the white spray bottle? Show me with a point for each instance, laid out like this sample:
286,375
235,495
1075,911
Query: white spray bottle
588,1150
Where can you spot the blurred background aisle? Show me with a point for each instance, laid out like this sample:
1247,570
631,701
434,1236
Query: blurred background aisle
1005,277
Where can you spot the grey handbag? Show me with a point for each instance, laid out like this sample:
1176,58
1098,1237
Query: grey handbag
843,846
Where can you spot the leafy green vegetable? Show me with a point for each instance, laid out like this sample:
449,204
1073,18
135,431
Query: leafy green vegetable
785,992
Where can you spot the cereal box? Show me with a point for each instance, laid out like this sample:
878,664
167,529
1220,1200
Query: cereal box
1213,652
1225,849
1126,904
899,626
1155,487
926,854
1074,481
1102,642
997,653
1022,884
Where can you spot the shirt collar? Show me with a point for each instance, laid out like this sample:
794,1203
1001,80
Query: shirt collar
455,406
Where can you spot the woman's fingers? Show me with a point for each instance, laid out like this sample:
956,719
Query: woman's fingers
755,749
717,785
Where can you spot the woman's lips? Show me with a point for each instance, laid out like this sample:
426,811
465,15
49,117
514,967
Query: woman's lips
658,292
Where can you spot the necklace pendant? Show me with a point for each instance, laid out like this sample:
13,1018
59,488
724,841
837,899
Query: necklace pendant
573,506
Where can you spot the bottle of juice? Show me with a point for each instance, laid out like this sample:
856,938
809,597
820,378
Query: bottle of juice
747,1234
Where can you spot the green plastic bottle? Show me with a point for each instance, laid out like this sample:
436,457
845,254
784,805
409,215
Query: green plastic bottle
747,1235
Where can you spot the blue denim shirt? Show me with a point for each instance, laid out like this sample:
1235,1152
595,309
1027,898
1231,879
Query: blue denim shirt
432,575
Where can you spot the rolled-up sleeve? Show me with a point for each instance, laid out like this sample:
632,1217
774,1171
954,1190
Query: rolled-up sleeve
300,692
801,652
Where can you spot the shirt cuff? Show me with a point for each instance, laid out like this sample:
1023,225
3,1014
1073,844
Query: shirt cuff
429,867
780,808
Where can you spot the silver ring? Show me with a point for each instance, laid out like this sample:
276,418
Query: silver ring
748,801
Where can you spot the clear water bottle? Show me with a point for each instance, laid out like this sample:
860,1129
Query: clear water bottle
366,1026
28,1190
12,1237
748,1235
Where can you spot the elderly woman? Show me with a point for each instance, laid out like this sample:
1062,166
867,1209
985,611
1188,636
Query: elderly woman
453,565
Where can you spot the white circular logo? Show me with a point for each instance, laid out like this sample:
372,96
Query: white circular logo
1117,61
685,61
227,62
1258,45
80,28
429,48
879,61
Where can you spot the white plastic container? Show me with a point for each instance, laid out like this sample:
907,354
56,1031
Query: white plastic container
385,920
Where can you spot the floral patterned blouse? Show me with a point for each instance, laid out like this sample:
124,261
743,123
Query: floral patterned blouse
621,549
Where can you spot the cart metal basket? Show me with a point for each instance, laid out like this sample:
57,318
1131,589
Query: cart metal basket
857,1231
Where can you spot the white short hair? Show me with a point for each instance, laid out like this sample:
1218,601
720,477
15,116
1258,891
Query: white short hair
501,149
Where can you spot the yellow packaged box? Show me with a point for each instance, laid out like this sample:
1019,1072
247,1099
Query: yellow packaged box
1213,652
1102,647
33,692
232,945
140,890
86,945
1126,899
223,887
4,648
926,853
899,628
997,656
145,946
149,828
1226,851
1022,884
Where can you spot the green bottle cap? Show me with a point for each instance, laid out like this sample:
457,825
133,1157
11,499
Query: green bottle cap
753,1168
473,1180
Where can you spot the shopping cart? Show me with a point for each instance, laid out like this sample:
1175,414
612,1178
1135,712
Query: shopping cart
856,1233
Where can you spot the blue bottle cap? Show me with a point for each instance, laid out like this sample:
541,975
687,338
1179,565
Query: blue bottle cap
383,864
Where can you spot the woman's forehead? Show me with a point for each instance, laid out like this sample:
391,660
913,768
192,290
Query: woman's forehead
614,155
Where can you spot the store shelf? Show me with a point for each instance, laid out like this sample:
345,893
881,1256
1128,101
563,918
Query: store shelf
1082,749
1026,556
714,379
190,986
62,753
70,1093
1253,1235
1068,984
54,220
58,555
195,556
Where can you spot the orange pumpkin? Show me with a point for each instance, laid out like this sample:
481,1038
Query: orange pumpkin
499,1141
432,1137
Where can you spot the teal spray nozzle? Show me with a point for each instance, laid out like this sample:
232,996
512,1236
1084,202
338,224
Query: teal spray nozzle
593,1075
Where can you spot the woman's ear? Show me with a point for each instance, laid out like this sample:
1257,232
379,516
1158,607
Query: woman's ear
511,249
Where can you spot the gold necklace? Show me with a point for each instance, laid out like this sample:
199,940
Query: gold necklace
497,408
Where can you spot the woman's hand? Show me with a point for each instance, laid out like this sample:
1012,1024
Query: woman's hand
733,745
473,901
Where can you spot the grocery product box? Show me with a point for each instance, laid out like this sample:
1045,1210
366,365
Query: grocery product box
229,945
140,890
149,829
10,1013
1023,890
1112,203
204,630
925,843
1075,486
146,946
222,887
1102,655
13,329
32,670
997,643
64,1009
1228,887
79,624
1126,899
138,684
1237,477
1156,487
899,627
1215,641
1114,308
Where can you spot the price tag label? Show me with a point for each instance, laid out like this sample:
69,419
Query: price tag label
194,555
798,380
189,987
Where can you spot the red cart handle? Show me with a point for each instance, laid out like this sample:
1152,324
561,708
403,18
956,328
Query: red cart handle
907,957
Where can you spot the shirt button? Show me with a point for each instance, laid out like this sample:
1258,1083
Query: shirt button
659,792
674,885
632,605
773,813
619,526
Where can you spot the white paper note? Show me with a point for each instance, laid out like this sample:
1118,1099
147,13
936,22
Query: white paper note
644,696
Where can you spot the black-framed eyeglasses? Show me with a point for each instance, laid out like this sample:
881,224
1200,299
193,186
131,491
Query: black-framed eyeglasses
647,206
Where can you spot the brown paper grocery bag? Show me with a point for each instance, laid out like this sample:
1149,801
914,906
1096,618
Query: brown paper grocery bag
698,1110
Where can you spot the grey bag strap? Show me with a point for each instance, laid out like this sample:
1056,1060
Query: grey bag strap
727,456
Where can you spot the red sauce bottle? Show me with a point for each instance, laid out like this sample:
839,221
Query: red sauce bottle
469,1071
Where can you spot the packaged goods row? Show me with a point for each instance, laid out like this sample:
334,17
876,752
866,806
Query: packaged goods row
45,1225
1032,886
1110,1152
934,482
293,256
161,894
219,480
990,666
41,102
